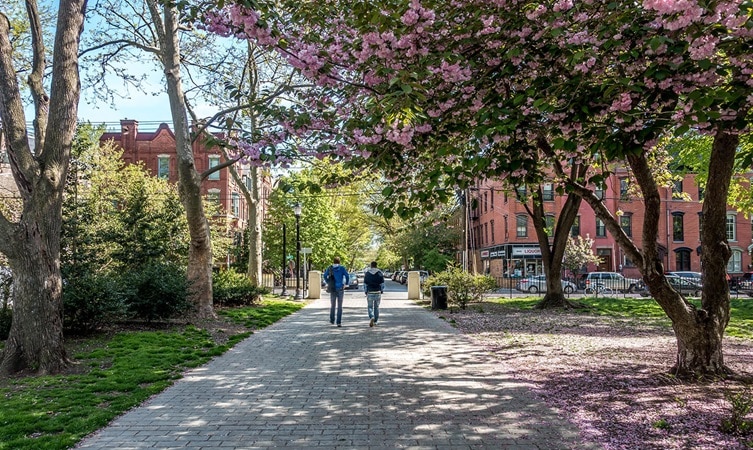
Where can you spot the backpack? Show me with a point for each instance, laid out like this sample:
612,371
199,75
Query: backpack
330,279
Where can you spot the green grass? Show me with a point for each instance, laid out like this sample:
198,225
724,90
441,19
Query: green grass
115,373
262,317
741,310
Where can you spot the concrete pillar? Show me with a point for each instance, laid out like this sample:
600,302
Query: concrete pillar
315,284
414,285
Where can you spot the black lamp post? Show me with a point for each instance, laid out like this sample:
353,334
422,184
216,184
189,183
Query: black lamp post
284,261
297,211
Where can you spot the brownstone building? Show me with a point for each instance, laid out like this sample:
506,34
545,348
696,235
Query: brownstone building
505,244
157,150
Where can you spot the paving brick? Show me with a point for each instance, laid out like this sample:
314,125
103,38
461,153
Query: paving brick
411,382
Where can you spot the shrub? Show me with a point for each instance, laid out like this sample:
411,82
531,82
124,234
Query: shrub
231,288
91,301
156,292
462,287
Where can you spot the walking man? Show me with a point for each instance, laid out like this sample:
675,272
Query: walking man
337,278
373,279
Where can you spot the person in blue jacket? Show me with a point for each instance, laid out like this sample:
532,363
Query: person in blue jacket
337,278
373,281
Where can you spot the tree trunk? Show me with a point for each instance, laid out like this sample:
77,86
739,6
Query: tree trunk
254,225
32,244
200,251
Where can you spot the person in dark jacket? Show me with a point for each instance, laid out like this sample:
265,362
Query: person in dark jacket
337,278
373,281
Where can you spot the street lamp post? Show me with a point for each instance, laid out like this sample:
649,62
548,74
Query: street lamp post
284,260
297,211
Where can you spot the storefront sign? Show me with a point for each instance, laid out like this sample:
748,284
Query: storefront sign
526,251
484,253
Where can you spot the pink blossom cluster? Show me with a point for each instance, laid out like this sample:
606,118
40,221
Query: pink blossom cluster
464,66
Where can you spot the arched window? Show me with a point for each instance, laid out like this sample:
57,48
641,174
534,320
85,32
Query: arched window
682,259
735,264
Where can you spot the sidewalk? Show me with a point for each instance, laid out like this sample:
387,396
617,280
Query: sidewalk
410,382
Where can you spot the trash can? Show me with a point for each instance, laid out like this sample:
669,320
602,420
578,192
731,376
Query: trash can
439,297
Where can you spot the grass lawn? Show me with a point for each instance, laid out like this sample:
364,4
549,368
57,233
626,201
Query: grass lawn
116,371
741,310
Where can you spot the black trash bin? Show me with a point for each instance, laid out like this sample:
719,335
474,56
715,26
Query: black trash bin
439,297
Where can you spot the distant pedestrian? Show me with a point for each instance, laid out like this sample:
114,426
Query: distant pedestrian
373,281
337,278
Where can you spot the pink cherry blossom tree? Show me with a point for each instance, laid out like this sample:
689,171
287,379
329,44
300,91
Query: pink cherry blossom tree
437,93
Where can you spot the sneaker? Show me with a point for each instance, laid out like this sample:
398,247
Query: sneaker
375,323
371,322
339,325
331,323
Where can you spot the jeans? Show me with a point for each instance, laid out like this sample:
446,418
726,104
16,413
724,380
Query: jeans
336,296
373,299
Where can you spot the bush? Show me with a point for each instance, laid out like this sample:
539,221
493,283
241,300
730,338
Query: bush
462,287
231,288
156,292
740,406
91,301
6,318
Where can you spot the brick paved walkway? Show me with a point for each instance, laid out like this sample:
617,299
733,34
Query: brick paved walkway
411,382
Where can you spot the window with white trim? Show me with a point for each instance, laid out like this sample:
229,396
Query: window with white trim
214,161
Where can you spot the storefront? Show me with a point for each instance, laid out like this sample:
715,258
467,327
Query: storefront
512,260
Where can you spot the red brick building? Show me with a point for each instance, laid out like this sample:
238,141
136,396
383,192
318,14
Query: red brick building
157,150
505,244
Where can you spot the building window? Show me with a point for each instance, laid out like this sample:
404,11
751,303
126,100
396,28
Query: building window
486,233
601,229
163,167
521,191
575,229
549,224
548,192
735,264
626,223
521,228
491,225
213,196
624,186
491,198
701,193
486,201
677,189
682,259
236,204
214,161
678,226
599,191
731,228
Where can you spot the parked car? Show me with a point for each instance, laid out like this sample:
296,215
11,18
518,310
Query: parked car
611,281
397,275
537,283
353,281
691,276
683,285
744,283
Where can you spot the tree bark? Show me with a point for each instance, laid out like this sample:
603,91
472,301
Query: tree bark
199,271
254,225
699,331
32,244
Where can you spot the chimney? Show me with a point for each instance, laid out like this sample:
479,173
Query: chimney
128,131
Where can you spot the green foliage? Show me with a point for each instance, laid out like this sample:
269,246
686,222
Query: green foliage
740,407
231,288
434,261
156,291
91,301
661,424
462,287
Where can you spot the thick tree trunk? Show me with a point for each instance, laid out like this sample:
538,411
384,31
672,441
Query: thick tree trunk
32,244
200,250
36,337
